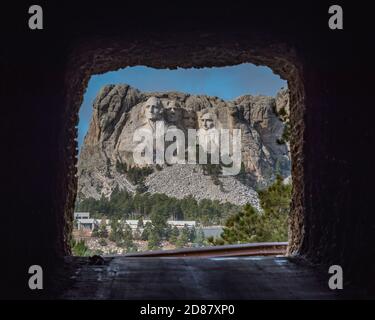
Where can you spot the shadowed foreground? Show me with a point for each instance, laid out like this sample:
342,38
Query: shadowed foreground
197,278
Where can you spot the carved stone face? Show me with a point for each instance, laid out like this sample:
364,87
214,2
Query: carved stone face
190,119
174,111
207,121
153,109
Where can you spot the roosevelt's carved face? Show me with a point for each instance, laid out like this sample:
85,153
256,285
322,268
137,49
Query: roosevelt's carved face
174,111
207,121
153,109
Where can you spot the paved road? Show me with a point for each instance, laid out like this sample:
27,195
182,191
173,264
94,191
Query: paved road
196,278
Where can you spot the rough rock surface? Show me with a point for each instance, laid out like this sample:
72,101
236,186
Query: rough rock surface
282,102
180,180
120,109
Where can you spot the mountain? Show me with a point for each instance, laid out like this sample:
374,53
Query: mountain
106,159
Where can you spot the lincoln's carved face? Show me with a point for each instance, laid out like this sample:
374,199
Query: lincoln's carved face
174,111
153,109
207,121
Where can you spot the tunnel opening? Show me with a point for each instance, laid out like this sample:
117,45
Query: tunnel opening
124,207
329,73
105,56
96,59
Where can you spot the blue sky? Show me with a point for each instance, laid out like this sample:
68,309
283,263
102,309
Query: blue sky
225,82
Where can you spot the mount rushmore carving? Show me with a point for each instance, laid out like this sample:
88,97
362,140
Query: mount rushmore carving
119,110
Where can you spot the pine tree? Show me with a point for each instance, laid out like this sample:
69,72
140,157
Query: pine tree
95,232
192,234
146,231
275,201
103,232
243,227
154,240
271,224
199,239
174,235
137,234
183,239
117,233
128,238
140,223
167,232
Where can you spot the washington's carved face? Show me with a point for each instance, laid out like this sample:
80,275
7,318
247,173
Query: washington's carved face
174,111
153,109
207,121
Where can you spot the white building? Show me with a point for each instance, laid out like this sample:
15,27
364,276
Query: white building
81,215
84,222
178,223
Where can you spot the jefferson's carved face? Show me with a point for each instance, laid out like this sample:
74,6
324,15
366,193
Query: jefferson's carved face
207,121
153,109
190,119
174,111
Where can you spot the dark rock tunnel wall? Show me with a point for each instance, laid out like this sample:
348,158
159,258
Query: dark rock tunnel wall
44,75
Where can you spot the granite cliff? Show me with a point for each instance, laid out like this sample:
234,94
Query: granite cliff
119,110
